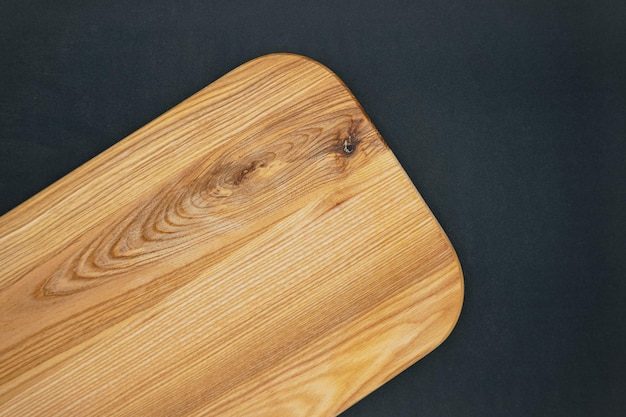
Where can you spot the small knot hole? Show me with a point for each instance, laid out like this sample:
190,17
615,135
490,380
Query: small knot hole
348,147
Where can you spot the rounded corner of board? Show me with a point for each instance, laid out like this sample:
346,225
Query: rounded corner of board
457,294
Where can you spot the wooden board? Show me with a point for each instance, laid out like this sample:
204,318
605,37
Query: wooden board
256,250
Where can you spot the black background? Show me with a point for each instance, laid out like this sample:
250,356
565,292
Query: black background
509,116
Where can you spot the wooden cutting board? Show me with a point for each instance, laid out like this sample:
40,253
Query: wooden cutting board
256,250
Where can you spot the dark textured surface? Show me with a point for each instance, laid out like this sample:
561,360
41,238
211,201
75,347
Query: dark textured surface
510,118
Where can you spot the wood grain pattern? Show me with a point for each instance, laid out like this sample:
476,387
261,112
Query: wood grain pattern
256,250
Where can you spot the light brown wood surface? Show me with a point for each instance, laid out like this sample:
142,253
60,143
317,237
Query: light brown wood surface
256,250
